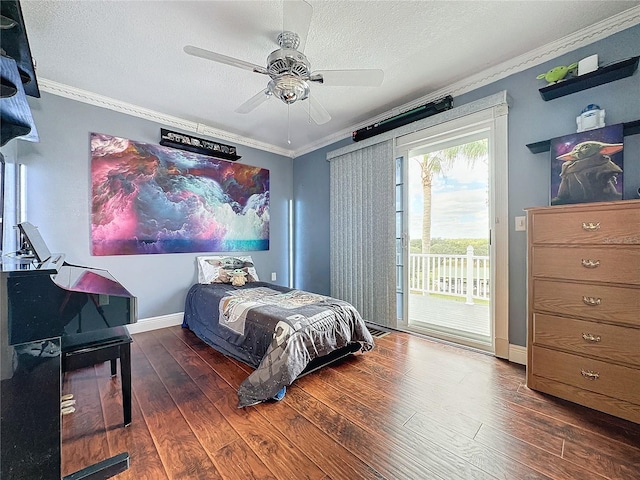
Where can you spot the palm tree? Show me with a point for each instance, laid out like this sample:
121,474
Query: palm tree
438,163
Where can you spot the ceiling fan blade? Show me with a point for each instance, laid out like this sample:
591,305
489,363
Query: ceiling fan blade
297,19
317,111
218,57
259,98
349,78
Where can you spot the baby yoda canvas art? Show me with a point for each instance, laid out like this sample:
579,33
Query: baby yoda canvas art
587,166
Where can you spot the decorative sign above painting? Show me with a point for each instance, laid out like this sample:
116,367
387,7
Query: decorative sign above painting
148,198
197,145
587,166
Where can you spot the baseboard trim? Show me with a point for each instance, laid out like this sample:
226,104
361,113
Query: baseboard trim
154,323
518,354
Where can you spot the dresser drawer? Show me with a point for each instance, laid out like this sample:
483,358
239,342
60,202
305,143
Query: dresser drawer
601,264
588,374
607,342
617,226
588,301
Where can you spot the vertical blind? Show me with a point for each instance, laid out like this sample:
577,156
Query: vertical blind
362,196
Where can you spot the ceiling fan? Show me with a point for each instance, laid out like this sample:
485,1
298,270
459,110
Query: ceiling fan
289,69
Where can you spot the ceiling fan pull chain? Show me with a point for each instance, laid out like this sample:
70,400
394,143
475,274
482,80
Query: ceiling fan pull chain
289,124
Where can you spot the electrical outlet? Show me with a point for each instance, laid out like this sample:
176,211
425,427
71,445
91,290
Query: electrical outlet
273,276
521,224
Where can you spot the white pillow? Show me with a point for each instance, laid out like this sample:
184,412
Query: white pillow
210,269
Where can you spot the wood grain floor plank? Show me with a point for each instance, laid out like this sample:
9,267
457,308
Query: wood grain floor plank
410,409
84,440
373,449
537,458
217,361
604,457
237,461
271,447
213,385
585,418
455,400
508,414
541,430
489,460
453,358
182,454
208,424
504,415
473,399
329,455
364,411
145,463
281,455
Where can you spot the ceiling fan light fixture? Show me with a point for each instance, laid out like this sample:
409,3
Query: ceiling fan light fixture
289,88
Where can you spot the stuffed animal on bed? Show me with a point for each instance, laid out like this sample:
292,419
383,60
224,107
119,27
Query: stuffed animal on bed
238,277
224,268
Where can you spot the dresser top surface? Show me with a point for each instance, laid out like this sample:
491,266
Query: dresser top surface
585,207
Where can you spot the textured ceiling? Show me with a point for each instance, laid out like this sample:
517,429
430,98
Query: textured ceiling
131,51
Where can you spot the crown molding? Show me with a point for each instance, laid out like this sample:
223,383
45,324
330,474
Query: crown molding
584,37
91,98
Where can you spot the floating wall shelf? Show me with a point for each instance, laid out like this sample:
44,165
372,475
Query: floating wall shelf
628,128
603,75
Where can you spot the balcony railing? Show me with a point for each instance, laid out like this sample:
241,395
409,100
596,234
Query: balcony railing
450,275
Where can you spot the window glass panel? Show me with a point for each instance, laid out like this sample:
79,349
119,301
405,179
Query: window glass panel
398,170
399,270
398,198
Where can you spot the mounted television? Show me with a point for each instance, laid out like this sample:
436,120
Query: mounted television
35,241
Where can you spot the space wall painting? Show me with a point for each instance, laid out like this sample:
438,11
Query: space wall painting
148,198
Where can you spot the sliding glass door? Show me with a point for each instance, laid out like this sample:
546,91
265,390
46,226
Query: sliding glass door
448,209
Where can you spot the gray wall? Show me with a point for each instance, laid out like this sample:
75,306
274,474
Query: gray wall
58,201
311,226
530,120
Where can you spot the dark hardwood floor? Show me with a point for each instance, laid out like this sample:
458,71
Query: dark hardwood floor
409,409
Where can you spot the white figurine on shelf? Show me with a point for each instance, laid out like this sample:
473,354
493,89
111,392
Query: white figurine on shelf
590,118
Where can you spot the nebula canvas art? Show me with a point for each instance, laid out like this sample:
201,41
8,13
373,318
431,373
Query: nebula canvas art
148,198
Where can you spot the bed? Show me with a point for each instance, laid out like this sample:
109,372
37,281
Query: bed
283,333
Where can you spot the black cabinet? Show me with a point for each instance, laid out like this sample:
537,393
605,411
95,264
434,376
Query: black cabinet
42,305
30,406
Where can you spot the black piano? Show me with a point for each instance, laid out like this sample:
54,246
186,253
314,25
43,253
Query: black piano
44,301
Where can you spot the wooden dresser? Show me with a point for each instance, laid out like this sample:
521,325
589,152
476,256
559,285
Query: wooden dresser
583,341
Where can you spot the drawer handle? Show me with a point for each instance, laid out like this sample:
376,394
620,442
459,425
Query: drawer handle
590,337
590,227
590,263
590,374
591,301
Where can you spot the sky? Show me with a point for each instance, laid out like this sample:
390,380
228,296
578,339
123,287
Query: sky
459,202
